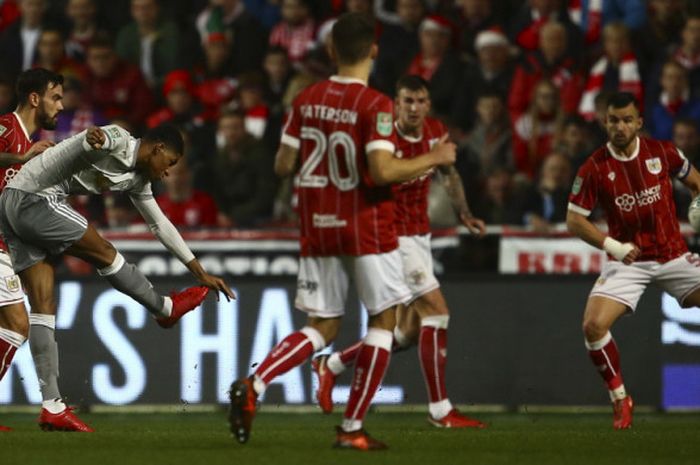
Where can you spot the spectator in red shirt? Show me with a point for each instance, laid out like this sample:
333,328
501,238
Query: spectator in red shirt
296,32
185,206
182,106
214,80
114,86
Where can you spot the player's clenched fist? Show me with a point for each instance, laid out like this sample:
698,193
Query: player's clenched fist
95,137
445,152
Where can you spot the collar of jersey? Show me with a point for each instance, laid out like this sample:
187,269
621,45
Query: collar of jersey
21,124
347,80
614,154
410,139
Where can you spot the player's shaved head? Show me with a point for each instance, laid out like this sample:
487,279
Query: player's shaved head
411,82
167,134
353,36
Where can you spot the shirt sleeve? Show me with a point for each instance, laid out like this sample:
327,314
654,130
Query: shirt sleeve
292,128
678,164
142,191
378,124
116,143
584,191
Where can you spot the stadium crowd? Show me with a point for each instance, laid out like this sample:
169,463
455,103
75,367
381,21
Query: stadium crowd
521,84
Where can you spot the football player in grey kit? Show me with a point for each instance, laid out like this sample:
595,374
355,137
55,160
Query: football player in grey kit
36,222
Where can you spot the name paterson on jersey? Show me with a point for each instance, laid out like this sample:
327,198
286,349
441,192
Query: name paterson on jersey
333,115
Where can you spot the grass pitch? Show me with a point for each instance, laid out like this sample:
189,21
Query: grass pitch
289,439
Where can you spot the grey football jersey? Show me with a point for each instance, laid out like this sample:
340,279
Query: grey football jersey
68,168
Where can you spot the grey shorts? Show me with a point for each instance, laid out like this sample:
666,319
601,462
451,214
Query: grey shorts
35,227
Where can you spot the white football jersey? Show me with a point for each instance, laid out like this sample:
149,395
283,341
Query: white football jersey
71,167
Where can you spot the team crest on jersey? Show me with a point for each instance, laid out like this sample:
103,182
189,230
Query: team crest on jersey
654,165
12,283
611,175
384,123
2,129
114,133
576,188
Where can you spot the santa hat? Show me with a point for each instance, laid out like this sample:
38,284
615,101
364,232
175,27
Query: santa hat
178,78
436,23
488,37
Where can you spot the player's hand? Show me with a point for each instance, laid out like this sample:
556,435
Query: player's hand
217,284
445,152
632,256
474,225
36,149
95,137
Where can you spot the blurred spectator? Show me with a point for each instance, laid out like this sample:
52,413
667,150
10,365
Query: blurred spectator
547,202
215,83
51,54
688,53
182,106
19,40
574,141
488,145
77,115
278,73
9,13
242,180
252,102
7,95
115,87
296,31
675,101
525,28
474,16
493,71
119,211
82,15
551,62
437,63
149,41
499,204
266,11
185,206
247,36
660,31
687,138
617,70
398,44
534,131
592,15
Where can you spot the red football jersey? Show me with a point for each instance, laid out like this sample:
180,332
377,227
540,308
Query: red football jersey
412,196
334,124
197,211
636,195
13,139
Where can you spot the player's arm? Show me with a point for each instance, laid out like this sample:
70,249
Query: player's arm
168,235
385,168
579,225
9,159
286,160
452,182
692,181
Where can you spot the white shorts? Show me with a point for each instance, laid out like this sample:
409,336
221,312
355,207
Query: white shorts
322,283
10,285
418,264
626,283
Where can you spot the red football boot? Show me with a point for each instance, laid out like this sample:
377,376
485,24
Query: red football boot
357,440
4,429
455,419
64,421
242,409
183,302
622,413
326,382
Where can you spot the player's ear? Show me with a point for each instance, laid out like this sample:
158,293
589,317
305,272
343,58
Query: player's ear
34,99
374,51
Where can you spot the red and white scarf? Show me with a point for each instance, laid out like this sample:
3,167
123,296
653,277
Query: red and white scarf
630,81
594,17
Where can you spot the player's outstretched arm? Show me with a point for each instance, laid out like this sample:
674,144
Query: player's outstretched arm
452,182
286,160
385,168
168,235
692,181
581,227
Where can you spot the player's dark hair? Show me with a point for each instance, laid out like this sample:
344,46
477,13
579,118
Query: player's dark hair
621,100
411,82
167,134
353,36
36,80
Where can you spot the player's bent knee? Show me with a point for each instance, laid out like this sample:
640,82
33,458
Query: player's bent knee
594,329
14,318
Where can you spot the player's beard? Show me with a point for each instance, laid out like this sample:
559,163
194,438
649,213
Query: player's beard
46,121
620,143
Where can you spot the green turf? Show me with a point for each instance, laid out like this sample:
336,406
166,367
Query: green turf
288,439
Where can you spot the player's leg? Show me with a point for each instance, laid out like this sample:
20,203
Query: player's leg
14,330
322,296
127,278
38,280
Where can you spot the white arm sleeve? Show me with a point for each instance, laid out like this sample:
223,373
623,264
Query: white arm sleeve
163,229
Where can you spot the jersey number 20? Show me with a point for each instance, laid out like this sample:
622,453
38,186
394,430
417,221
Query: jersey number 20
323,146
